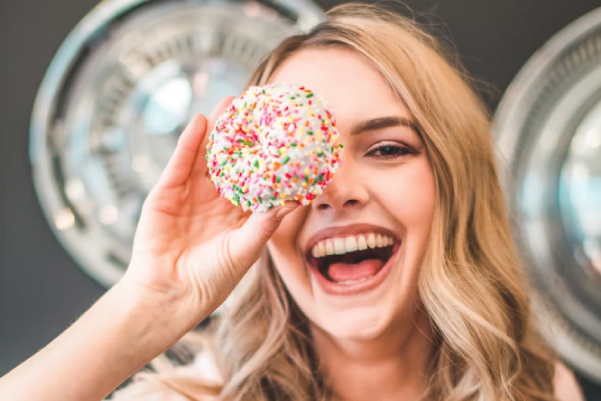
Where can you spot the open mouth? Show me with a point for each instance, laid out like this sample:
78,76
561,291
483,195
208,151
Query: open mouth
349,265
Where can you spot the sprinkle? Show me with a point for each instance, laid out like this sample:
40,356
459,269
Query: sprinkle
273,144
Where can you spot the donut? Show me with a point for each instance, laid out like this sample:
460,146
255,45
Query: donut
274,143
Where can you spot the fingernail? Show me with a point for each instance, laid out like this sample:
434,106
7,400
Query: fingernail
286,209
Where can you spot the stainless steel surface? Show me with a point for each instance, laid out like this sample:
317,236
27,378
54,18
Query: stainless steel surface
548,131
115,98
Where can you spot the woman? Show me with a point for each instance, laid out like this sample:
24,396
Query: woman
440,312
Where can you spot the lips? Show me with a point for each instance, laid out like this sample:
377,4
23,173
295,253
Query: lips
352,259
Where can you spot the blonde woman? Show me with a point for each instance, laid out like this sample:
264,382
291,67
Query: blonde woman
441,312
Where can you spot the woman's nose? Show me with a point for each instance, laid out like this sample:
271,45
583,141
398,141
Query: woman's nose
346,190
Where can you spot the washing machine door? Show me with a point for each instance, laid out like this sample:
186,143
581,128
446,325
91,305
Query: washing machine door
548,132
116,96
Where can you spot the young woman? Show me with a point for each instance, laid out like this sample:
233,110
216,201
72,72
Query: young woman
441,314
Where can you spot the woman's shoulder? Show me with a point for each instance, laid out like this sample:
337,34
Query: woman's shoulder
565,384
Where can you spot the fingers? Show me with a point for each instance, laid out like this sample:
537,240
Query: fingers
200,167
183,159
251,238
189,156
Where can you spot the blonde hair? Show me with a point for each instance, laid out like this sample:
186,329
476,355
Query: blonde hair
471,284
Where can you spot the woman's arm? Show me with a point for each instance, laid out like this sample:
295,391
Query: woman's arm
190,250
116,337
565,384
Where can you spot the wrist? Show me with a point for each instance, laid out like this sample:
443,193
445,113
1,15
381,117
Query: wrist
165,314
117,336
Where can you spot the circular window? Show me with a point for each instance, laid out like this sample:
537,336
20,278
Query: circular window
118,93
548,132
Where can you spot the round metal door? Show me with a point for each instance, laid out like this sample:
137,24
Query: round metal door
548,132
116,96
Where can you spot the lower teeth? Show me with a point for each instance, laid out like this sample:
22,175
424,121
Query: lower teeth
351,282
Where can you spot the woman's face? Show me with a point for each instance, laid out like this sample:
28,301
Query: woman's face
375,215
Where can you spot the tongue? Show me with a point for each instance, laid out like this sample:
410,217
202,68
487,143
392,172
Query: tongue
354,271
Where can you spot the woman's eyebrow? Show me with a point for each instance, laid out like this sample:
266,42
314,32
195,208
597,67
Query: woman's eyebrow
382,122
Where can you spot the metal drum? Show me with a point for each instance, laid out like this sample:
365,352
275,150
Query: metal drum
117,95
548,132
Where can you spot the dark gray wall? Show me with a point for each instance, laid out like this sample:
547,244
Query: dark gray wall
41,289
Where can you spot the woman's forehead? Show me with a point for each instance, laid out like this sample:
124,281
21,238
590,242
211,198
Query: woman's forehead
351,87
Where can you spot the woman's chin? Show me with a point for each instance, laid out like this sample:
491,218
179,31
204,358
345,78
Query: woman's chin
358,325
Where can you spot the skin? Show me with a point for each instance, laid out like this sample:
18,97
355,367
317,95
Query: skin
373,341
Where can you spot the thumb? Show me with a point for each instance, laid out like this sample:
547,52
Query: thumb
250,239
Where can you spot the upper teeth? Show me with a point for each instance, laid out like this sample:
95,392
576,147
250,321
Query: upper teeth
340,246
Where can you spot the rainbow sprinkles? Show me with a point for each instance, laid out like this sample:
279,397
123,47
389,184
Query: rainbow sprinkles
275,143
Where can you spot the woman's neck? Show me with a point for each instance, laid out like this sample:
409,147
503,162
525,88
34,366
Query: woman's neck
392,366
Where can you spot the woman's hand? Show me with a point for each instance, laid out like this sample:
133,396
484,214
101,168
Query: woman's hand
191,244
190,249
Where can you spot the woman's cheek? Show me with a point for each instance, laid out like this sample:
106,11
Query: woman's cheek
283,245
285,237
287,259
411,187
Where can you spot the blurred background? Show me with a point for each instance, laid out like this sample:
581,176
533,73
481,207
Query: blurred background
76,162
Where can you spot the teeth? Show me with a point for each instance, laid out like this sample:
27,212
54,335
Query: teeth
319,250
329,247
350,244
340,246
322,249
362,243
371,240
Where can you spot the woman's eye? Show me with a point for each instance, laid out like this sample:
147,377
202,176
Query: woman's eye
389,151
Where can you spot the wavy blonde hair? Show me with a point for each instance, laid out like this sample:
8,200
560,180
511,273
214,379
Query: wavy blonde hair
470,281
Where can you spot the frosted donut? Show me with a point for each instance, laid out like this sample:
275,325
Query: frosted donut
275,143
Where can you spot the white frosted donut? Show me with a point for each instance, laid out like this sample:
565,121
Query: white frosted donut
275,143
